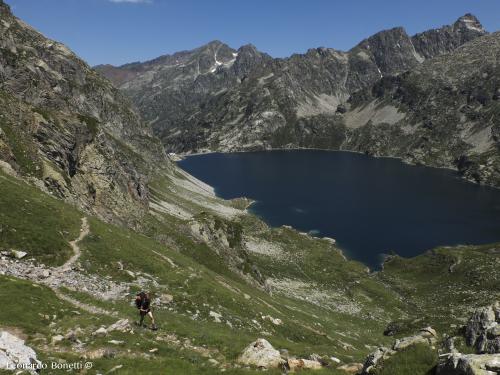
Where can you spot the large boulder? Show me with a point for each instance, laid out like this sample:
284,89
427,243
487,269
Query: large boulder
426,336
15,355
469,364
483,329
260,353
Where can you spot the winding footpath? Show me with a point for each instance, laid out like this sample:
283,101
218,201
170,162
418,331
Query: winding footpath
67,266
84,232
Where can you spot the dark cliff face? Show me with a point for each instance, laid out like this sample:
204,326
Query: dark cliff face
67,128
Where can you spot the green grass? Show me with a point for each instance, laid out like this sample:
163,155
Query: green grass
28,306
24,150
416,360
441,296
36,223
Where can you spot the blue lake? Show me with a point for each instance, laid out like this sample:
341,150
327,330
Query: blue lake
371,206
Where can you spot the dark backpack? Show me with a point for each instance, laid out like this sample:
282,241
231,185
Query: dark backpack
139,301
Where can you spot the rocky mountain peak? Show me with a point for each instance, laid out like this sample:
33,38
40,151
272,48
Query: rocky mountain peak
391,50
248,49
469,22
248,57
214,43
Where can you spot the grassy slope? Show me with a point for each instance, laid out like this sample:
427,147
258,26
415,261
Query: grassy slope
445,284
26,225
200,282
194,287
416,360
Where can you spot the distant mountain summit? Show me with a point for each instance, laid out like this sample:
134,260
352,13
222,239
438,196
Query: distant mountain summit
215,98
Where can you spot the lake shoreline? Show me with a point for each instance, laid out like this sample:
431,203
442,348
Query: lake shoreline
247,175
182,156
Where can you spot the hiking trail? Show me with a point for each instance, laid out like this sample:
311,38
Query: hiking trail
84,231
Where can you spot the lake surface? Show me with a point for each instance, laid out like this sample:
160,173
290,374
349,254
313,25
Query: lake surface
371,206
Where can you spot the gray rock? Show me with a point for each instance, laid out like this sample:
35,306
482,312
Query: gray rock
67,94
351,368
101,332
469,364
13,352
374,358
297,364
122,325
57,339
116,342
260,353
482,330
426,336
18,254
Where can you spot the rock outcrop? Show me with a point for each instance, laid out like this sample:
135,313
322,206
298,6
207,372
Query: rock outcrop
261,353
483,334
375,358
15,355
426,336
470,364
295,364
483,330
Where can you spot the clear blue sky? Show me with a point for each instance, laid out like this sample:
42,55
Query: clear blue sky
120,31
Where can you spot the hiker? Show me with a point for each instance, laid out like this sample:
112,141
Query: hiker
143,303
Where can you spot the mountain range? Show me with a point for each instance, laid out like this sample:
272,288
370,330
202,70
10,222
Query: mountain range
215,98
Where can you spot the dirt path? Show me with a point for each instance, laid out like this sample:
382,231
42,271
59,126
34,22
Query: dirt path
164,257
67,266
83,306
84,231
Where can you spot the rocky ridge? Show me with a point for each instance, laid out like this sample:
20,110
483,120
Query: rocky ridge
247,100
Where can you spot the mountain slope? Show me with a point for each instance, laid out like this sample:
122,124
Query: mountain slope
445,112
248,100
69,129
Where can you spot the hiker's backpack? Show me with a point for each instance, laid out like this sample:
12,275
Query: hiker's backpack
142,297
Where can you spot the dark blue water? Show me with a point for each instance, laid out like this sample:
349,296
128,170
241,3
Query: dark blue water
371,206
